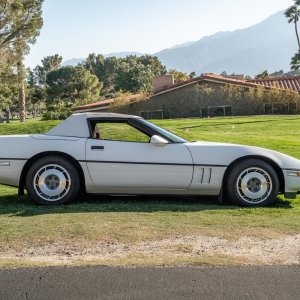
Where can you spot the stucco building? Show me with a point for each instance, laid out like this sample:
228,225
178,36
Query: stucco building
208,95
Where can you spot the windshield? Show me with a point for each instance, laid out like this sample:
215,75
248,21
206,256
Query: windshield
165,133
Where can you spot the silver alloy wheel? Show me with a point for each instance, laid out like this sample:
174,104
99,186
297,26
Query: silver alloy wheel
254,185
52,182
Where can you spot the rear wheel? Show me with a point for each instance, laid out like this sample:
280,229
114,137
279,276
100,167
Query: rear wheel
251,183
52,180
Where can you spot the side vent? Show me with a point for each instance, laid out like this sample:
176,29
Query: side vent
205,175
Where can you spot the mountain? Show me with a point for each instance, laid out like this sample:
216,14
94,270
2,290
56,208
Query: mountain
268,45
123,54
76,61
73,62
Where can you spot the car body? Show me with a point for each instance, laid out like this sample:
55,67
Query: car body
140,159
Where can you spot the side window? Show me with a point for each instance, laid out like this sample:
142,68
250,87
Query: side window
119,131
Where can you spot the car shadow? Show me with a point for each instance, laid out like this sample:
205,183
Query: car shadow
12,205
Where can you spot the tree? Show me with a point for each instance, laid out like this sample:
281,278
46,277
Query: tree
295,62
293,15
193,75
20,22
134,77
8,29
36,80
49,64
31,77
153,63
279,73
95,64
26,24
293,73
36,93
179,76
130,74
8,88
105,69
263,74
111,66
135,74
70,86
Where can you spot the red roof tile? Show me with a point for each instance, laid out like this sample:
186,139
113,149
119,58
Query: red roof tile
95,104
290,82
104,103
212,77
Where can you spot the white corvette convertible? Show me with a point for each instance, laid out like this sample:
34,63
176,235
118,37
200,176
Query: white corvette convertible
104,153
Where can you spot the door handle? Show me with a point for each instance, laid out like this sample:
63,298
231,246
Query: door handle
97,147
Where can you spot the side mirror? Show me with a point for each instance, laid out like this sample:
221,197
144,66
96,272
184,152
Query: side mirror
158,141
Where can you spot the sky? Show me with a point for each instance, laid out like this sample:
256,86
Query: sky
75,28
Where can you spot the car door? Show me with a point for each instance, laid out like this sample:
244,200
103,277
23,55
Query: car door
124,158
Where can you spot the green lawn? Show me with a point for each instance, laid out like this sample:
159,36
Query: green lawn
31,126
130,221
280,133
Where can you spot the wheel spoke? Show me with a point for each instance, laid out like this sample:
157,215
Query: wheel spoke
52,182
254,185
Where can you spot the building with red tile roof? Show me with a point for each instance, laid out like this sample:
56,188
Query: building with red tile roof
210,77
96,106
185,99
288,82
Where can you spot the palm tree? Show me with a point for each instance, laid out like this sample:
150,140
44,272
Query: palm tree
293,15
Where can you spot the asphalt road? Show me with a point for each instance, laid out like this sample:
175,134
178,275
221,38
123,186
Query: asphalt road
259,283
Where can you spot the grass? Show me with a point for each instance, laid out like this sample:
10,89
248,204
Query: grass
31,126
280,133
134,261
134,220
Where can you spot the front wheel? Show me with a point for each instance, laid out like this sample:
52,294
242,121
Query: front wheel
52,180
252,183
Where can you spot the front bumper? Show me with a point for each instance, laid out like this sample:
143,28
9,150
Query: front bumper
292,183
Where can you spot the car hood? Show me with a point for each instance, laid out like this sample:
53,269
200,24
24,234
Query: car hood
212,153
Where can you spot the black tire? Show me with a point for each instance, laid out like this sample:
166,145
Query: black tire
252,183
49,176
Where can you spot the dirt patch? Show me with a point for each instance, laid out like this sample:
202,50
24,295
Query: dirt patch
283,250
